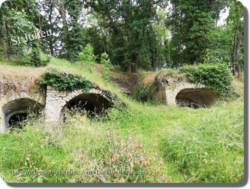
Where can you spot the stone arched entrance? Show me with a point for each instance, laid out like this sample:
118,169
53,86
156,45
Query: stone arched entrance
196,98
58,101
91,103
189,94
18,106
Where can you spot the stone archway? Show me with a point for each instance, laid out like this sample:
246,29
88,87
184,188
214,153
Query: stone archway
57,101
196,98
91,103
195,95
18,106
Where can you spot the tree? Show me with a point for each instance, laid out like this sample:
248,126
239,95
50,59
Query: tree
3,11
236,21
16,21
49,22
128,24
75,33
190,22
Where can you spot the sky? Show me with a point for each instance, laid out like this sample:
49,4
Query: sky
223,15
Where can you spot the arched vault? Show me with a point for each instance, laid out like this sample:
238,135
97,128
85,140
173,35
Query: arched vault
18,106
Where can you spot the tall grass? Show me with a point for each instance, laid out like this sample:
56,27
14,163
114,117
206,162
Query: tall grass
168,143
77,151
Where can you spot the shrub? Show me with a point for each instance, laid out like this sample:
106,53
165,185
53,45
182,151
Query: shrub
87,57
35,55
107,66
214,76
45,59
20,61
66,81
141,92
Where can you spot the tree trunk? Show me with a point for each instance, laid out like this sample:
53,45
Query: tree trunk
155,65
232,62
128,42
135,66
62,12
136,63
129,68
51,46
3,39
238,52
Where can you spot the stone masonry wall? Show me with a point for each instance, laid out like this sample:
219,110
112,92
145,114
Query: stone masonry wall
56,100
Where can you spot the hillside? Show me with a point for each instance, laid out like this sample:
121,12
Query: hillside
163,143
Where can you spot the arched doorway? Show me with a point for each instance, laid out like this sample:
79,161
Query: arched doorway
17,110
92,104
196,98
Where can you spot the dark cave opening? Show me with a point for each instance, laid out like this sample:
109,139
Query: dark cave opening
17,111
89,104
196,98
16,121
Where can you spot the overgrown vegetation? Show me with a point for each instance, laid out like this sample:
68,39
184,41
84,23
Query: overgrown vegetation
107,66
141,92
87,58
100,155
204,150
193,147
33,59
70,82
168,143
64,81
214,76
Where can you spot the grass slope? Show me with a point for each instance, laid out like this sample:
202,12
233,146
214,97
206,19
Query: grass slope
167,143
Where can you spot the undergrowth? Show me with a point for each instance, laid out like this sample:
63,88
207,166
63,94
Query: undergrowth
78,152
215,76
168,143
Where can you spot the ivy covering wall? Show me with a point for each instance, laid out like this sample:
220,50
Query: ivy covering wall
69,82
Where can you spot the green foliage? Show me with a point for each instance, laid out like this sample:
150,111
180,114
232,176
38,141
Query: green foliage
209,149
117,103
33,59
1,55
141,92
19,22
45,59
35,56
134,41
66,81
74,31
214,76
99,150
20,61
107,66
190,23
87,57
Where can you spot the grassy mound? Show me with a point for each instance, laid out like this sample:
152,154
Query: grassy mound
162,143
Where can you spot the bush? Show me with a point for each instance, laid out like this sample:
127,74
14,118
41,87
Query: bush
141,92
107,66
35,55
215,76
20,61
87,57
45,59
66,81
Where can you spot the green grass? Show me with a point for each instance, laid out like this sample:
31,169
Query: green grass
181,144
